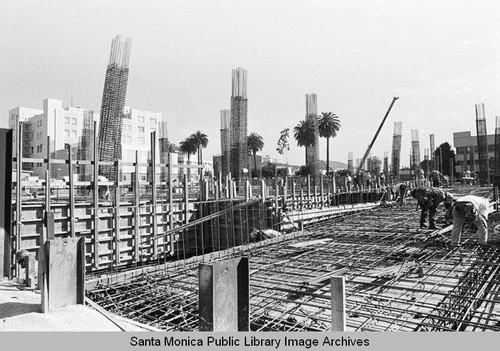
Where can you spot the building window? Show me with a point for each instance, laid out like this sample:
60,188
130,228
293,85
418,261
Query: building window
153,120
140,119
73,133
141,129
153,129
66,120
73,121
39,135
66,132
129,127
31,149
39,123
140,140
129,139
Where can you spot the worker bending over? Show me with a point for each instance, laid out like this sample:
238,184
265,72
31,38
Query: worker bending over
436,177
428,199
399,191
468,209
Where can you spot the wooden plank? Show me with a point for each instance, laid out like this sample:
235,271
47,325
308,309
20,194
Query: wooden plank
338,304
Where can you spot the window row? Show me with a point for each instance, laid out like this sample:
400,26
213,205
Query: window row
67,120
71,133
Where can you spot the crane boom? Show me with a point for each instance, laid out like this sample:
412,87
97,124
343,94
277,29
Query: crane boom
376,135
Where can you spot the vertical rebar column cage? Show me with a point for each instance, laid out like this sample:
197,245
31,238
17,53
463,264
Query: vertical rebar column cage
112,106
350,162
496,177
239,122
482,145
225,140
396,148
312,152
386,164
415,152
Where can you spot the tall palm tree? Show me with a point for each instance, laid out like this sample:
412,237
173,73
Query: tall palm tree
201,141
188,147
255,143
328,126
304,134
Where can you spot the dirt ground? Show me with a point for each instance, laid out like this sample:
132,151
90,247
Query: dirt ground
20,310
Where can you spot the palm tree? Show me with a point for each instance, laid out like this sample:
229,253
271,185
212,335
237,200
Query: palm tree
188,147
328,126
304,134
254,143
201,141
171,147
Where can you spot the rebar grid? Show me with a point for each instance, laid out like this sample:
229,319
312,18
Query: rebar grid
398,278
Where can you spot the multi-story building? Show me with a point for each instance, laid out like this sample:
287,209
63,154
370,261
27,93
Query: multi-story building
75,126
62,125
467,156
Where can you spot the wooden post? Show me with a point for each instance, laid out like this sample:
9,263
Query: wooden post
6,143
19,200
71,192
338,304
293,195
309,187
321,190
224,295
117,212
137,210
95,193
154,197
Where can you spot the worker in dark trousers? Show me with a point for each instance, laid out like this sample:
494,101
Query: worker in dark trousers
428,199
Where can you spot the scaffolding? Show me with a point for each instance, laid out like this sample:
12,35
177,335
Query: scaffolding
113,103
482,145
396,149
398,278
86,146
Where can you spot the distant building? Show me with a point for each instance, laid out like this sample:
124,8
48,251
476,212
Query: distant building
75,126
238,123
467,157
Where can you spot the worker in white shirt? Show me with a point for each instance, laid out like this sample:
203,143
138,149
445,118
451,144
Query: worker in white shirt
469,209
399,190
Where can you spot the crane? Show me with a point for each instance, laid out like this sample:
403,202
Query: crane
375,137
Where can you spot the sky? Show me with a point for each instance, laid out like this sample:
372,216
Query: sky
439,57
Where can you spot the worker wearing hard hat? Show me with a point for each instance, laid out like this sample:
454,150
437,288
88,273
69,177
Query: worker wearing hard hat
428,199
399,190
468,209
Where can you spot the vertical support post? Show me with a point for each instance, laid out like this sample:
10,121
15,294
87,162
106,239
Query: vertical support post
309,187
154,198
47,194
137,209
186,199
293,195
338,304
285,191
117,212
71,192
19,200
228,278
63,273
95,193
6,142
227,189
262,189
321,190
170,200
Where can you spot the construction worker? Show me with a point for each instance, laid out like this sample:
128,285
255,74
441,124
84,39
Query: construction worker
428,199
468,209
435,177
399,190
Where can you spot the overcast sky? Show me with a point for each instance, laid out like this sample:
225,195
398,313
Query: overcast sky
439,57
